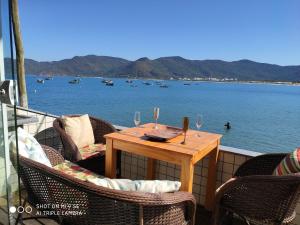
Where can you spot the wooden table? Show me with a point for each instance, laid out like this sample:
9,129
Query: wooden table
198,145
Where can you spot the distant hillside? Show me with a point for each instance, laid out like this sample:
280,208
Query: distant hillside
163,68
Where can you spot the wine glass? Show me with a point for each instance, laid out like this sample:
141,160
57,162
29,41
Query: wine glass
137,118
199,122
156,115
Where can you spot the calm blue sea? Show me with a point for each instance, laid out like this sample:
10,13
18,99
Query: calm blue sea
264,117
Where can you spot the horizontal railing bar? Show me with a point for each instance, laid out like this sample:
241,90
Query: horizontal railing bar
34,111
118,127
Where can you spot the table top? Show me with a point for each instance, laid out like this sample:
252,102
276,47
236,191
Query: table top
196,141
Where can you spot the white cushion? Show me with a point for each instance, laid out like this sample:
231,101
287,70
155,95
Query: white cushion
28,147
150,186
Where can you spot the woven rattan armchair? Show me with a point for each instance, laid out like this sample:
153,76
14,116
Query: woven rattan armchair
99,205
256,195
71,152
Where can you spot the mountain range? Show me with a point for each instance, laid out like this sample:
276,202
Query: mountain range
163,68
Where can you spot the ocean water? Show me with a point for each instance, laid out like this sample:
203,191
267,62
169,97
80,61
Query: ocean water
264,117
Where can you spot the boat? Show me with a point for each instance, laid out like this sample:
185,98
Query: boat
106,81
187,84
109,83
75,81
147,83
164,86
158,83
49,78
40,81
129,81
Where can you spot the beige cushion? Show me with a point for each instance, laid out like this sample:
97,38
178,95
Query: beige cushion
79,129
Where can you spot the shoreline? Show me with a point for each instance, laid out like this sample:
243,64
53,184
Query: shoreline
257,82
286,83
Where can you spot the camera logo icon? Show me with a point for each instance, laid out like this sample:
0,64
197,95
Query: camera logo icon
20,209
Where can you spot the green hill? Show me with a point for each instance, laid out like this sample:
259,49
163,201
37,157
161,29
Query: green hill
163,68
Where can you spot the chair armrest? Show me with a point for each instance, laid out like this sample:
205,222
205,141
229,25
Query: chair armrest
141,198
266,197
100,128
54,156
88,195
148,201
173,200
260,165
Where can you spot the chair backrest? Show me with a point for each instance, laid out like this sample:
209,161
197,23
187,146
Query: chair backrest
268,198
50,137
71,152
276,196
80,202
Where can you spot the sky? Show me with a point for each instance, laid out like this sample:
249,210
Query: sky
260,30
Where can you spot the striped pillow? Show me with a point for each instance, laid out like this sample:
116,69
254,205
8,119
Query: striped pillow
290,164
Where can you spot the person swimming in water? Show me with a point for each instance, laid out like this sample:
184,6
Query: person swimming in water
227,126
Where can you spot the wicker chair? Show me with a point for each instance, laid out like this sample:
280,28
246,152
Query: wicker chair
257,196
70,151
99,205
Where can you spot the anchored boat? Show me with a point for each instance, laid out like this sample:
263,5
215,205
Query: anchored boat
147,83
109,83
75,81
40,81
164,86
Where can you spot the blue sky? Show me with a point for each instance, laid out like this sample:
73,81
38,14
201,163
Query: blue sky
259,30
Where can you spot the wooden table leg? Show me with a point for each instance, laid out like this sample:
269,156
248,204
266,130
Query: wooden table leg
151,168
110,159
211,179
187,175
